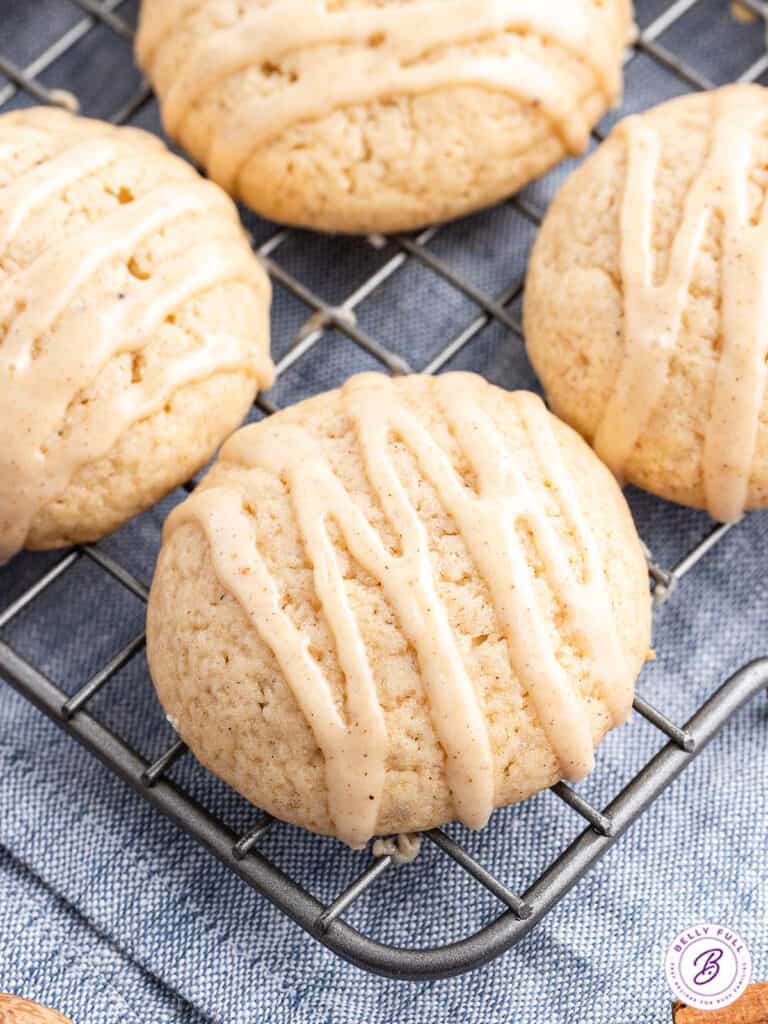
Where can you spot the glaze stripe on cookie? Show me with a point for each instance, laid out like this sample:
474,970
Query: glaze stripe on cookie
489,519
653,310
402,49
44,363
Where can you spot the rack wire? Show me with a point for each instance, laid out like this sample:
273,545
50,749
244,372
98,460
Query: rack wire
240,852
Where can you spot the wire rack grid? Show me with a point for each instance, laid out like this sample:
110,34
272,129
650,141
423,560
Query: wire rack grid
240,852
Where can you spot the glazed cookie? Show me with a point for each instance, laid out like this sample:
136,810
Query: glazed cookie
358,115
647,301
133,325
397,604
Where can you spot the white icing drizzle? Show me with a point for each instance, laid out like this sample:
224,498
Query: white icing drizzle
355,750
48,179
401,49
42,371
401,849
653,312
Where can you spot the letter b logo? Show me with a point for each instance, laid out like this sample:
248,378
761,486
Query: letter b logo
710,966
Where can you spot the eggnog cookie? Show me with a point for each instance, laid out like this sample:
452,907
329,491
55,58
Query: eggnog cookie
133,325
358,115
397,604
15,1010
646,311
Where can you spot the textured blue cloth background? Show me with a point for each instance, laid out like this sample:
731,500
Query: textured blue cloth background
111,914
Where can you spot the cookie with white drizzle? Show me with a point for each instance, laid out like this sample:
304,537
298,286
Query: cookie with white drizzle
360,116
133,325
647,300
399,603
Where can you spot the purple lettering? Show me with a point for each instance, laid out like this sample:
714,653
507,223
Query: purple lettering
710,966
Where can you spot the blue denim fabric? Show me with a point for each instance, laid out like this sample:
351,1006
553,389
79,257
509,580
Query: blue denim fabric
111,914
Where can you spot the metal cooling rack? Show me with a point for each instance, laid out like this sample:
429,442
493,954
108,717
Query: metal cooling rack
520,912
